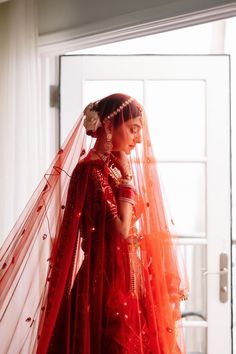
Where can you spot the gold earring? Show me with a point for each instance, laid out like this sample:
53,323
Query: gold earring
108,144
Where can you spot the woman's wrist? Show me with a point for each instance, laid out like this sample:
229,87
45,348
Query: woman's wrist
127,176
127,192
125,180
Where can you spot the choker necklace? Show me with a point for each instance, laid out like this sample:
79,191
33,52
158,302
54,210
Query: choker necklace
114,171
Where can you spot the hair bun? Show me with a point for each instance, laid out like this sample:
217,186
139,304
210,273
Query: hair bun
92,120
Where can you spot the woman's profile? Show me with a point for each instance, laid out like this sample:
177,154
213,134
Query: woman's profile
93,249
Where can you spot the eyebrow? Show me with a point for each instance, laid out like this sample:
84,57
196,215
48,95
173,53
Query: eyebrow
137,125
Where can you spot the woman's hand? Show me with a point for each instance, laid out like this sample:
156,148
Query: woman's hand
121,161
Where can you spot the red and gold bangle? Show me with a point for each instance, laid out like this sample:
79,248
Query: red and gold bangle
127,193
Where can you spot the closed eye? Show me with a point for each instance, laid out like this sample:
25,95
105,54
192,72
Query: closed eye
135,129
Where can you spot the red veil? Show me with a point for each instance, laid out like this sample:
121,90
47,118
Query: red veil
70,283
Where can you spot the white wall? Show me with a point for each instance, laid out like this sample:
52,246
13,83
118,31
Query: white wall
59,15
21,136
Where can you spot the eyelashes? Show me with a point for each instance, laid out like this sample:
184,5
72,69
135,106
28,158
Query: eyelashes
134,130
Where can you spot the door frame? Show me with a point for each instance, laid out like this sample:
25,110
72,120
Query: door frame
217,167
50,46
132,25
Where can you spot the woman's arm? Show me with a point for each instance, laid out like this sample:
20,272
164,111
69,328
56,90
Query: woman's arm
125,205
118,210
123,221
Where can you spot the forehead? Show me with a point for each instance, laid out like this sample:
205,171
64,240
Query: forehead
138,121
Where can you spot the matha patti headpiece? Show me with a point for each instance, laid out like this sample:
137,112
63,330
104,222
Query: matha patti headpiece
119,109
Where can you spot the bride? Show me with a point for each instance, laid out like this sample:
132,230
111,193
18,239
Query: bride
90,267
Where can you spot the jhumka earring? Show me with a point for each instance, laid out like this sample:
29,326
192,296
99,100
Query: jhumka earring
108,144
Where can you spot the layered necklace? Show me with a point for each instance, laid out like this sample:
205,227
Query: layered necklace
113,170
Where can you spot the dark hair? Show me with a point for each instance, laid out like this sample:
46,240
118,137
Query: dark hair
110,103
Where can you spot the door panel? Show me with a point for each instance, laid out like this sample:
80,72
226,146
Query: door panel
187,103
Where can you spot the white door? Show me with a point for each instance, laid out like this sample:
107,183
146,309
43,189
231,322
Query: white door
187,103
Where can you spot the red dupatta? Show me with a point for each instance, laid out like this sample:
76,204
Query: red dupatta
67,275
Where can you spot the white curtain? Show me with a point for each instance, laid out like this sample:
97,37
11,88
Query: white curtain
19,113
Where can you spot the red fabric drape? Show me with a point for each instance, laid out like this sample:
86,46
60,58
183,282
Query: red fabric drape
70,283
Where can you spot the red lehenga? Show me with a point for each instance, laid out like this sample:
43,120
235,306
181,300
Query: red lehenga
87,289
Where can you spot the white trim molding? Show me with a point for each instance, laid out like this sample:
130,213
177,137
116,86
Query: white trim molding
132,25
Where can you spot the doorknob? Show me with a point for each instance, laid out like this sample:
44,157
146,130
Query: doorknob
223,277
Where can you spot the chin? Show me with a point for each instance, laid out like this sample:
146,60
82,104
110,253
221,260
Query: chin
127,150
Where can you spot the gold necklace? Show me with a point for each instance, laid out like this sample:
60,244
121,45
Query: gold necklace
114,171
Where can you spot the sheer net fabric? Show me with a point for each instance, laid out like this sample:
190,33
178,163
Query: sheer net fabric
71,283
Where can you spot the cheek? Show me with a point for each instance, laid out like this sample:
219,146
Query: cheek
120,136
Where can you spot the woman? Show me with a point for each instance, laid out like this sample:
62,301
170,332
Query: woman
113,283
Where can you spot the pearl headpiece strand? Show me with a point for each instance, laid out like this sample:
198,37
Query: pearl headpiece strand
119,109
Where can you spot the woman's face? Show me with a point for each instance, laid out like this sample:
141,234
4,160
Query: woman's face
127,135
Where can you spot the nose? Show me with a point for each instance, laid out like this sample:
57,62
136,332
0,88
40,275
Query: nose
138,138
